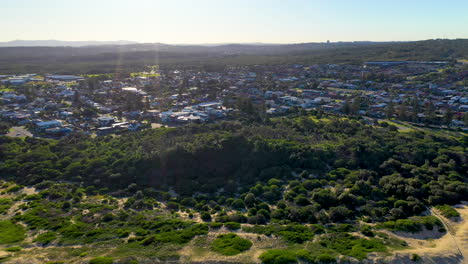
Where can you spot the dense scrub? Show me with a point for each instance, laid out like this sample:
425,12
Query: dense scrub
297,180
303,167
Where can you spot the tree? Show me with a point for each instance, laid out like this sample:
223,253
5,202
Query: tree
238,204
430,113
249,200
389,110
346,108
403,112
205,216
356,106
448,116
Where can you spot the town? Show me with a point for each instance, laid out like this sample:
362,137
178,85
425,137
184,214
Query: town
51,106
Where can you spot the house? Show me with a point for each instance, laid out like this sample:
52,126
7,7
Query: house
48,124
105,120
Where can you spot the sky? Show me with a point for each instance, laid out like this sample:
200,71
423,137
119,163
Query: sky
233,21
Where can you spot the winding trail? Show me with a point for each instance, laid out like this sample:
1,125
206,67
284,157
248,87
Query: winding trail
450,229
450,248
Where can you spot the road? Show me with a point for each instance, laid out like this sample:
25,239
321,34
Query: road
19,132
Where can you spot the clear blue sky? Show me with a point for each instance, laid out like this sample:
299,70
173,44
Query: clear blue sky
223,21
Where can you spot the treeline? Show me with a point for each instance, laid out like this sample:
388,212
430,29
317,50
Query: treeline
132,58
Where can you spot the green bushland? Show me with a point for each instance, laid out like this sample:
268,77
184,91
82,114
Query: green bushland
352,246
230,244
330,246
447,211
300,178
414,224
10,232
292,233
101,260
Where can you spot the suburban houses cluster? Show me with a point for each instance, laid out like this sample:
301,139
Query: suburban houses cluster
55,105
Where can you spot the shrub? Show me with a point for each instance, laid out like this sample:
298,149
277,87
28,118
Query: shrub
14,249
367,231
11,233
326,258
45,238
101,260
205,216
416,258
215,225
447,211
230,244
232,225
278,256
413,225
14,189
5,204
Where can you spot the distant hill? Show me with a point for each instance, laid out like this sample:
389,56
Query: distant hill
133,57
60,43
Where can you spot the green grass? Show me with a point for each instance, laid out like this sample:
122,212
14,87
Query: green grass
101,260
230,244
11,233
5,204
14,249
143,74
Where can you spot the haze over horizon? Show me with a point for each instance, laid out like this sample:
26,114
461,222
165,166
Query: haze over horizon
215,22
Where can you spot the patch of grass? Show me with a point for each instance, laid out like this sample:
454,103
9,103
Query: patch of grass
101,260
292,233
14,189
13,249
349,245
11,233
5,204
230,244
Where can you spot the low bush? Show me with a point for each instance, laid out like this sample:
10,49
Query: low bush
45,238
232,225
278,256
230,244
292,233
413,225
14,189
14,249
101,260
215,225
447,211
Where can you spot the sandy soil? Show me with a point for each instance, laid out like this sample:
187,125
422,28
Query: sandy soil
453,246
